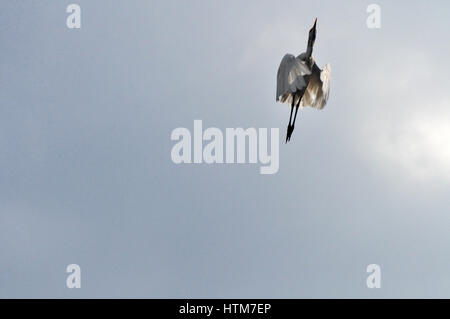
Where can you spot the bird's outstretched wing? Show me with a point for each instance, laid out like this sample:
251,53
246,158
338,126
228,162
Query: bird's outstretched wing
318,90
292,75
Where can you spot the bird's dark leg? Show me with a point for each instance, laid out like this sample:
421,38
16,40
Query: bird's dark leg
290,128
295,116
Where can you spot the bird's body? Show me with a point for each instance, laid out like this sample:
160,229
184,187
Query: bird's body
301,82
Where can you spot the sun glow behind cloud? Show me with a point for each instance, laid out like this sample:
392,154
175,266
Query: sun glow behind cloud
406,130
418,145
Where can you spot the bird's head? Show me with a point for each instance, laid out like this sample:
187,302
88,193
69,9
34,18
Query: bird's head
312,33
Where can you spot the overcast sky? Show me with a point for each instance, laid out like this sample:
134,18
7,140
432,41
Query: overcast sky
86,175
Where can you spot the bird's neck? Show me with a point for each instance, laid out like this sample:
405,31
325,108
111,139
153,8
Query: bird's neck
309,49
309,61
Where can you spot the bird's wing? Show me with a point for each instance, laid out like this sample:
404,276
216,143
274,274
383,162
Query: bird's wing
292,76
318,90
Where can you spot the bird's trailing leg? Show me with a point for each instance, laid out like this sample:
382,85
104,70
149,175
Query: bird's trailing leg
290,128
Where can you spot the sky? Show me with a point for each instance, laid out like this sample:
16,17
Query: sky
86,175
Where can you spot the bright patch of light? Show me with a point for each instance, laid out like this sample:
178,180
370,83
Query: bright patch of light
419,145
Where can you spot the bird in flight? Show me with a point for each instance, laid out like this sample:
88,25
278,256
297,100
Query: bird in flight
300,80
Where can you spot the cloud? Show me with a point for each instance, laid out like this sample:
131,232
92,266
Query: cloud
417,144
407,132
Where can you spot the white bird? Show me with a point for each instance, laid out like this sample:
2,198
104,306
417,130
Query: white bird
299,79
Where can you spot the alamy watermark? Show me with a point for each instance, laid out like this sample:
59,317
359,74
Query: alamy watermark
236,150
74,279
374,279
73,21
374,19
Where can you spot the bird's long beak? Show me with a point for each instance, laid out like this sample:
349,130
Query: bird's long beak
315,23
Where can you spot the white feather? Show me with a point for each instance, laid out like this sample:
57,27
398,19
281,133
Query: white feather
318,90
291,77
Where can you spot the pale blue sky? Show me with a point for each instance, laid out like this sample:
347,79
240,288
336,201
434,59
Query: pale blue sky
86,175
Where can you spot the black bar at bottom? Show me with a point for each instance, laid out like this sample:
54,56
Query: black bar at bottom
228,308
